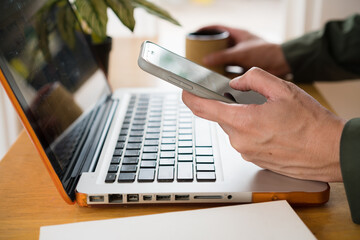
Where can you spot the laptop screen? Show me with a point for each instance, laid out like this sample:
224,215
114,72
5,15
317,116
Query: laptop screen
47,62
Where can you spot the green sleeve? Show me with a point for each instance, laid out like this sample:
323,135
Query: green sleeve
350,165
332,53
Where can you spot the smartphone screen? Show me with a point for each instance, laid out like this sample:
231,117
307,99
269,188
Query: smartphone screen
203,82
186,69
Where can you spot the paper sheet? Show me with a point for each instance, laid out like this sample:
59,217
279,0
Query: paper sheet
271,220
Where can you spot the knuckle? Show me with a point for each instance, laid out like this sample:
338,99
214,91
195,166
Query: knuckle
254,71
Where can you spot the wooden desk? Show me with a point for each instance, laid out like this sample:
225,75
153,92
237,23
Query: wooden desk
29,199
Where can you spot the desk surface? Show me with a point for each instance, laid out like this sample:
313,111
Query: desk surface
29,199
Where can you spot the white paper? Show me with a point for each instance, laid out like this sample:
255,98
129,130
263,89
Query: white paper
271,220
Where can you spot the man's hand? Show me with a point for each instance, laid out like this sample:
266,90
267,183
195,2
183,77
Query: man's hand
247,50
291,134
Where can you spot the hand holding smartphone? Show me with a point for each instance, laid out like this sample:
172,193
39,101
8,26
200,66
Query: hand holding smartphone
192,77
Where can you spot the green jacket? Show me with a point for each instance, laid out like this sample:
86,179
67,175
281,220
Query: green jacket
334,54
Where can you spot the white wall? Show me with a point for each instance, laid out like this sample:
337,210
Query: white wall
9,123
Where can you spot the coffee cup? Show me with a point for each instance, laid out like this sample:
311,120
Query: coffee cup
203,42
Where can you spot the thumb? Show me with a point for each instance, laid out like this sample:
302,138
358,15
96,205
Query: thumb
260,81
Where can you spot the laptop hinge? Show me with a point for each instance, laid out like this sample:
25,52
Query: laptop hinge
92,147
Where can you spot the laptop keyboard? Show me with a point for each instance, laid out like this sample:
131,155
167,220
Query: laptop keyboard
161,140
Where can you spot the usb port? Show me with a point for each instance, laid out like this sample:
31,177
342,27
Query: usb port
147,197
133,197
163,197
182,197
115,198
96,198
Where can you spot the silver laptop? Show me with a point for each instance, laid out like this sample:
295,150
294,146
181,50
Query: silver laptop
130,146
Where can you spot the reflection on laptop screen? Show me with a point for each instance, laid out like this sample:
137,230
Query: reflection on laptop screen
48,65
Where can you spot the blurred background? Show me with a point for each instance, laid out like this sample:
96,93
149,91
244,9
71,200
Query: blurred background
274,20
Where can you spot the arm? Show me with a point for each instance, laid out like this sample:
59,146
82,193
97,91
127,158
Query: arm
330,54
350,165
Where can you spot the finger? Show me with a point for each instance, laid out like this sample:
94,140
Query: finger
260,81
209,109
224,57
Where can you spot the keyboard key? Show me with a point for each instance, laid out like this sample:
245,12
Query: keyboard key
202,133
168,147
205,168
135,139
185,143
155,115
169,123
168,140
149,156
120,145
148,164
126,177
133,146
167,162
139,118
185,172
130,160
110,177
115,160
138,128
152,136
170,117
203,151
132,153
167,154
185,158
206,176
165,174
151,143
185,125
185,131
169,129
204,159
185,151
154,119
136,133
124,132
128,168
154,124
146,175
118,152
113,168
169,134
153,130
122,139
185,120
185,137
150,149
139,122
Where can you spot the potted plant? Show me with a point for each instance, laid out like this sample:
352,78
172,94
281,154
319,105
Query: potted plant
92,15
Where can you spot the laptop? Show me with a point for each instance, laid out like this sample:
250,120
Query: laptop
129,146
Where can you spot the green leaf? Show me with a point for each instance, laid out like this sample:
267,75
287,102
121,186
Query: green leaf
66,25
125,12
155,10
42,32
93,12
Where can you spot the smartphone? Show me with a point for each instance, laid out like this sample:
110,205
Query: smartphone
192,77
